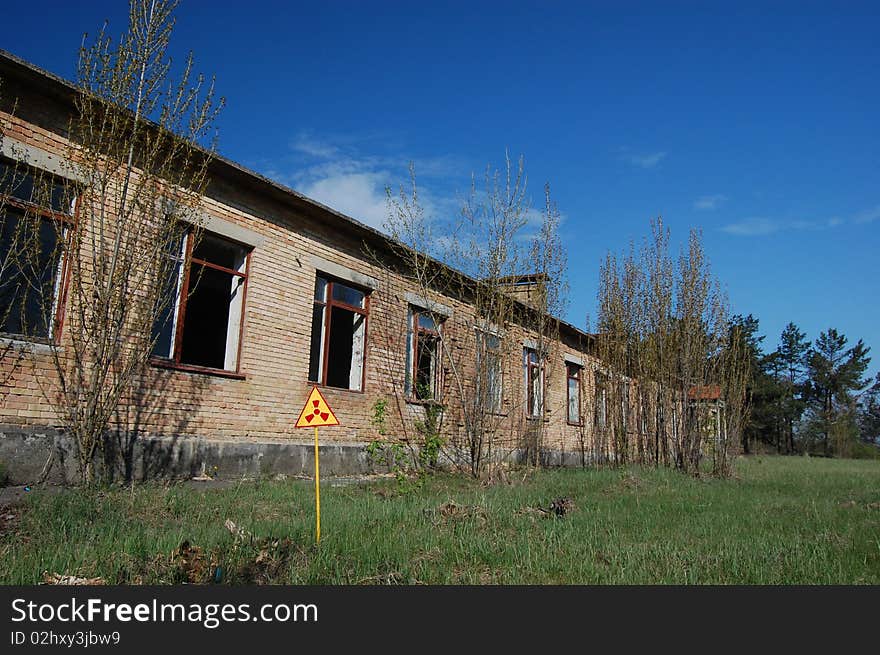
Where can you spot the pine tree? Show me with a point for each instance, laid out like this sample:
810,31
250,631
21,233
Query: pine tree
869,415
835,375
792,354
766,423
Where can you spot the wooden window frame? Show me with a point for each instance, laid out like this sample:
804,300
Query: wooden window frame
328,304
174,362
569,367
483,334
68,222
417,332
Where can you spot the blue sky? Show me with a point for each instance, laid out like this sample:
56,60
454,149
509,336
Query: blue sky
756,122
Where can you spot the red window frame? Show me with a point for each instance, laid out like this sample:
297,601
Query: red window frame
68,222
417,332
492,355
328,304
183,294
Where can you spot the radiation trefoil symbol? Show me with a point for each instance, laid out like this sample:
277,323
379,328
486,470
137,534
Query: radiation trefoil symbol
316,412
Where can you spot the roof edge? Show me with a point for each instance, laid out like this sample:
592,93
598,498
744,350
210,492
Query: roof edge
63,87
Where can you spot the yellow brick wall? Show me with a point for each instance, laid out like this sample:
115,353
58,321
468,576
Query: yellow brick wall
275,345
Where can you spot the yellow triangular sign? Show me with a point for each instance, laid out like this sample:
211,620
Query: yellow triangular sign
317,412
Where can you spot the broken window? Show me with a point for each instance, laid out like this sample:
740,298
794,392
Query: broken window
533,372
200,317
339,317
423,355
573,375
36,211
489,372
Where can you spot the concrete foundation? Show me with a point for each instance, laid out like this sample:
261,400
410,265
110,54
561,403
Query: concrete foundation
26,453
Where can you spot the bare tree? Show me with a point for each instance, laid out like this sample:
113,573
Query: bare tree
618,342
732,415
494,219
142,143
482,256
419,411
547,261
665,326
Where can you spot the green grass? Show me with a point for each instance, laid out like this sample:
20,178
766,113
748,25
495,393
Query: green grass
781,521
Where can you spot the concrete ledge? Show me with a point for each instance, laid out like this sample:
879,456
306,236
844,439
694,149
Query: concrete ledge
343,273
37,158
430,305
25,451
231,230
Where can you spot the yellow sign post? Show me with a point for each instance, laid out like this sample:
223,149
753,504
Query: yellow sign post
316,413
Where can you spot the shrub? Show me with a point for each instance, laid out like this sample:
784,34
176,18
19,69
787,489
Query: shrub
862,450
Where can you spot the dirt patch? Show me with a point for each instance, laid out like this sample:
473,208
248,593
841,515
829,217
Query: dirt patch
602,558
9,520
451,511
484,575
532,512
390,578
16,495
631,482
557,508
851,503
246,560
188,564
273,558
501,475
562,506
426,556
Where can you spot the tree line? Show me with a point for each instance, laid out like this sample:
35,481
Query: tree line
810,396
664,322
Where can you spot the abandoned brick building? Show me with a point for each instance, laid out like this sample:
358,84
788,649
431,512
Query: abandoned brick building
314,308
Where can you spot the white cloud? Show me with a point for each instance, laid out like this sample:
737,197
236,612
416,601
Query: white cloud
752,227
338,173
308,145
868,216
763,226
348,175
642,159
709,203
359,195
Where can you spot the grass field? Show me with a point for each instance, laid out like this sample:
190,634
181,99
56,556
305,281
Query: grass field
781,521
